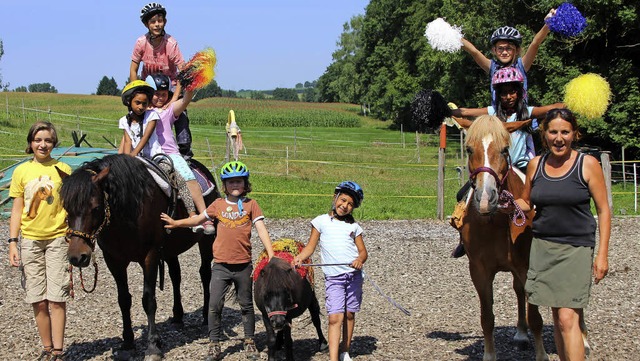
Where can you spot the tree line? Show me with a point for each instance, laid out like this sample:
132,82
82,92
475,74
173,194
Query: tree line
383,59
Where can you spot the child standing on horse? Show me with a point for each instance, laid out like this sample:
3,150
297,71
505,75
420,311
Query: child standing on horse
159,53
340,240
38,218
234,216
506,44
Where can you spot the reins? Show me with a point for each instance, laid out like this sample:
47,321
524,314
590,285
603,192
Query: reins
364,275
95,279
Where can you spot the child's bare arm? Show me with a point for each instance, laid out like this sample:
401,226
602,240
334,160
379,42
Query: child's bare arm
264,237
307,251
532,50
150,128
469,112
133,71
183,223
477,56
362,254
180,105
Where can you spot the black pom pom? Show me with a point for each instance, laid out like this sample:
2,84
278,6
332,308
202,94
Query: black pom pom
428,110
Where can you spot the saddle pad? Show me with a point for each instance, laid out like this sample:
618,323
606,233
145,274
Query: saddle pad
160,179
205,184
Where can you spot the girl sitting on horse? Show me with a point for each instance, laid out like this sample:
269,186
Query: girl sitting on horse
233,217
519,118
139,135
43,250
341,245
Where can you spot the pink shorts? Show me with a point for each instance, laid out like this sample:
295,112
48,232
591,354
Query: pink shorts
343,292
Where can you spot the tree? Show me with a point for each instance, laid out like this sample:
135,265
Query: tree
285,94
22,89
42,88
309,95
210,91
307,84
107,87
257,95
299,86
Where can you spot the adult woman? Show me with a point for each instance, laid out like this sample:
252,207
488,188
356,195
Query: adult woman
37,215
561,184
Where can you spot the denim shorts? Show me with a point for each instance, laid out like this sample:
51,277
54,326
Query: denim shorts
343,292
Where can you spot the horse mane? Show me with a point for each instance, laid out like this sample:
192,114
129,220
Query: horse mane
128,183
278,274
488,125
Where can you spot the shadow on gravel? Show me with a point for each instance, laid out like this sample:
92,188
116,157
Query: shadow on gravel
506,349
171,336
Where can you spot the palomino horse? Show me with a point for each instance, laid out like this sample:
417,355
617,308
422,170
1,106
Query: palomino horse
115,201
494,241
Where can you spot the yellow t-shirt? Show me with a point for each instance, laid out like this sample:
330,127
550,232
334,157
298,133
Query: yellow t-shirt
43,216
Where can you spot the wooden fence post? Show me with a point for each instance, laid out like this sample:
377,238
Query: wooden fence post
606,169
441,162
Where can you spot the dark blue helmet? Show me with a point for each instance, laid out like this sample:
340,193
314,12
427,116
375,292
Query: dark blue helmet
352,189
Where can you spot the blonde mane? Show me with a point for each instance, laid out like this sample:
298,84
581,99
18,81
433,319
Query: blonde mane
488,125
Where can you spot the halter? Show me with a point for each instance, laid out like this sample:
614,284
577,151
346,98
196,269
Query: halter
90,239
281,313
505,198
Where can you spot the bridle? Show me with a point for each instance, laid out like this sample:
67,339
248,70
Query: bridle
281,313
499,182
91,238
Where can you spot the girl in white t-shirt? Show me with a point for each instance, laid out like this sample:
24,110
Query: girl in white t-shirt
341,245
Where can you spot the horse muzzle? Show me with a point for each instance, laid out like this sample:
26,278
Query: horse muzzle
278,320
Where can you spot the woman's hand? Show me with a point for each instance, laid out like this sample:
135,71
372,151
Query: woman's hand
600,268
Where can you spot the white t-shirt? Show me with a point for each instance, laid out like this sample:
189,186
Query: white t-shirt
135,133
337,243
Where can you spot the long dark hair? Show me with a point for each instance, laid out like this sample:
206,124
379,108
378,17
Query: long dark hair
521,111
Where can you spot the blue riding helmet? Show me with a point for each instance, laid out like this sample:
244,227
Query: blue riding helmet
352,189
234,169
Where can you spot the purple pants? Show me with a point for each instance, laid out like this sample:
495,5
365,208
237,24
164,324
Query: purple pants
343,292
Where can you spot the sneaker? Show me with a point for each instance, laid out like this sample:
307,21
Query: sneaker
215,352
345,356
250,349
208,228
459,251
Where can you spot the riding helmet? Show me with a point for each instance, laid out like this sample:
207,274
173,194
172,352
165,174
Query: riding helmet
506,33
159,81
353,190
136,86
507,74
234,169
151,9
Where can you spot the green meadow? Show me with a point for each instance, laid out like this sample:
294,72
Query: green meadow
296,152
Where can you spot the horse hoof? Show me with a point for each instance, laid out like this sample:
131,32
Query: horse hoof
122,355
175,325
153,358
323,347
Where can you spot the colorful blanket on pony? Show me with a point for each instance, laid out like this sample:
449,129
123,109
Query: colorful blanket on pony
286,249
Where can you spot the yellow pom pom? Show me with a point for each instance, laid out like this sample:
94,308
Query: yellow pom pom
588,95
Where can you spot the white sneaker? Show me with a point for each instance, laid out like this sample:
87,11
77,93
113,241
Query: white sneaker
345,356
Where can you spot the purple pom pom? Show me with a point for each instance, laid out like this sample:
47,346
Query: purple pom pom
567,21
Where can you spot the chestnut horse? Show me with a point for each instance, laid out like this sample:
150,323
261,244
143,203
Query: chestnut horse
494,241
116,202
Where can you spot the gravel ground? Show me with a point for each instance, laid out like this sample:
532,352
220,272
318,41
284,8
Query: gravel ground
409,260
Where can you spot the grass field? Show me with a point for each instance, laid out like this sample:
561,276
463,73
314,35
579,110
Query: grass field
296,152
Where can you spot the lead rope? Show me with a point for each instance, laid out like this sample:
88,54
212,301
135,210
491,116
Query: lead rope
517,216
95,278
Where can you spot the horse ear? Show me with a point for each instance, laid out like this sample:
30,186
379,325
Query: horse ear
100,176
61,173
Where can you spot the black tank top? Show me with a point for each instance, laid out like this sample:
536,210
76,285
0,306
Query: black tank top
563,206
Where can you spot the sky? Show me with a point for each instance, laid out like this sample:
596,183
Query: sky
259,45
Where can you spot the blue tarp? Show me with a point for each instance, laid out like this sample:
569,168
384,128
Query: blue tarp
73,156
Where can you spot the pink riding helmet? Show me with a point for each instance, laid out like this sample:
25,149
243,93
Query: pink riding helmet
507,74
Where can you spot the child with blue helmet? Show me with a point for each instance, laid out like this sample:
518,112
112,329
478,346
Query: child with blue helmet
342,246
233,215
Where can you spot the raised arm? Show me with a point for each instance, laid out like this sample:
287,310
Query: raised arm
180,105
482,61
532,50
469,112
540,112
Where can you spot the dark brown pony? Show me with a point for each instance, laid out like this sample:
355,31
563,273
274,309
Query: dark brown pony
115,201
281,295
493,241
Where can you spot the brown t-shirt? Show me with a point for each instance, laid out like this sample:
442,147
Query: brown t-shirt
232,244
